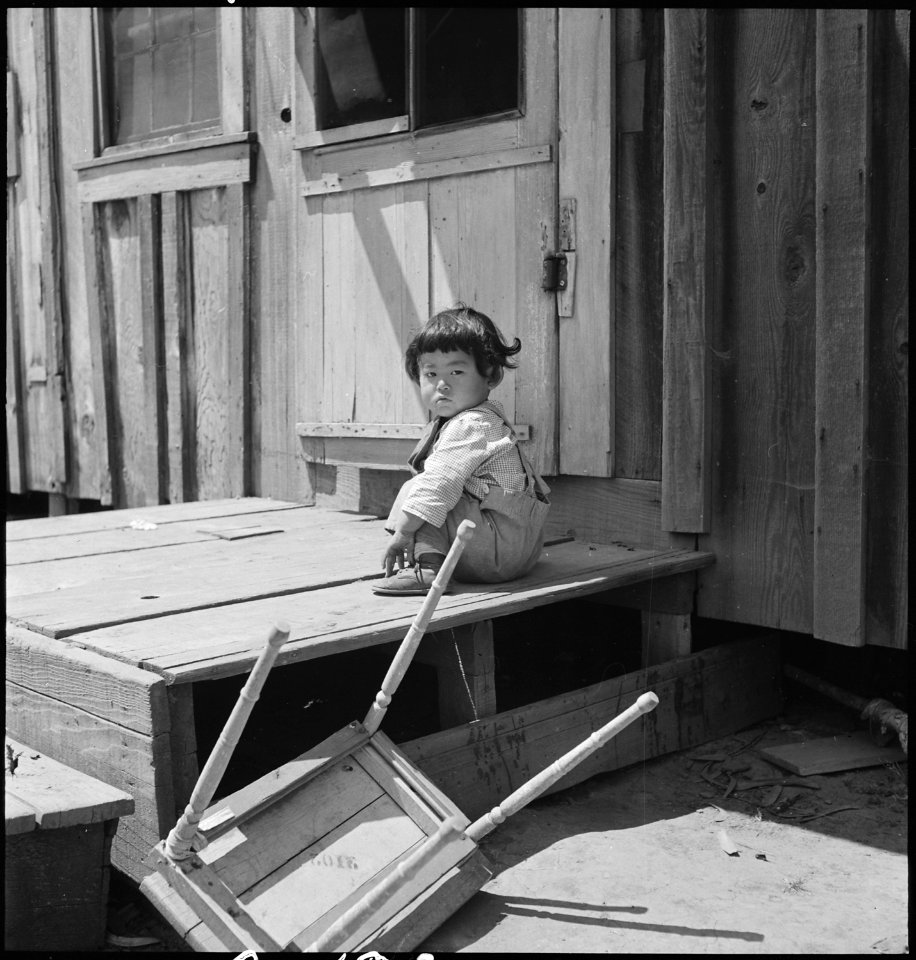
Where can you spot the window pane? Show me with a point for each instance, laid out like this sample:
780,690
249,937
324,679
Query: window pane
131,29
467,63
134,85
361,64
172,23
206,77
163,70
171,85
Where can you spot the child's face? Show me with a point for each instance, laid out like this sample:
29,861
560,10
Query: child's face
450,382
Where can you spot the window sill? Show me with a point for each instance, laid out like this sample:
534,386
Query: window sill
394,130
188,165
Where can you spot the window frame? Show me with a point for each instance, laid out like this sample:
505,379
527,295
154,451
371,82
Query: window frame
308,137
233,114
183,161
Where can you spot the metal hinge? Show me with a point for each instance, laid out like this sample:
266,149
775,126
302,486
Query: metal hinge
553,276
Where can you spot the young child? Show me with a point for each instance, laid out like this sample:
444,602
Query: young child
467,465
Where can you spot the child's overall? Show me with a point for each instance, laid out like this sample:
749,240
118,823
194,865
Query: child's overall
510,525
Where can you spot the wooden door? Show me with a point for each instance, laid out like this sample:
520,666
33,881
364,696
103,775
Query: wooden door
394,228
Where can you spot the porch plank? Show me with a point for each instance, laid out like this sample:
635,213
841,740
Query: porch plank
225,640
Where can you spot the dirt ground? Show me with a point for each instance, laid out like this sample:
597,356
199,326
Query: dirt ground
631,861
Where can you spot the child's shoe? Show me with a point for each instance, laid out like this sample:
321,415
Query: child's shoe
412,581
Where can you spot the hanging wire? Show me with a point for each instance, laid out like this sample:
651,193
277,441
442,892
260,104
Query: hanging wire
463,674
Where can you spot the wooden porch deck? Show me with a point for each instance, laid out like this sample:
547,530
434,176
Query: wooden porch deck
114,618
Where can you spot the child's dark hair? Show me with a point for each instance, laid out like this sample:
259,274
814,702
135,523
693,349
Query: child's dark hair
463,328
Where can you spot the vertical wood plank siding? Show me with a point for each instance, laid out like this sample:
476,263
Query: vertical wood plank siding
277,366
35,222
535,380
762,343
844,69
639,222
688,236
886,474
586,174
73,74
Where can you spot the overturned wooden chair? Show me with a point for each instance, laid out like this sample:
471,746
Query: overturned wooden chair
348,846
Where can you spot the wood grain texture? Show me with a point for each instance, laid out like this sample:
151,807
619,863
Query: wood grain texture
137,764
277,365
688,266
72,62
587,171
473,253
406,172
177,350
763,347
843,99
346,616
16,476
126,356
61,796
215,456
160,514
833,754
184,920
536,200
155,465
887,586
698,701
35,224
98,321
198,168
639,219
113,691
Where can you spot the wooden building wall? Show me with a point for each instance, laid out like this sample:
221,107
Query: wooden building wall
730,372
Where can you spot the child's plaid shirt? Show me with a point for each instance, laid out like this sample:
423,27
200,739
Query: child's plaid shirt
473,449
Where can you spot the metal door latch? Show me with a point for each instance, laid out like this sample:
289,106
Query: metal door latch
554,275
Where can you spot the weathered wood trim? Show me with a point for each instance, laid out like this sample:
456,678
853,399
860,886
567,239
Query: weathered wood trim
378,431
356,131
609,510
121,154
688,262
53,429
156,449
97,303
196,165
233,89
409,171
16,453
587,165
238,366
536,204
843,102
176,271
12,126
138,764
703,696
887,583
114,691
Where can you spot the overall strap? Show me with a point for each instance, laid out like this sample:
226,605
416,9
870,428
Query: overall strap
535,480
427,439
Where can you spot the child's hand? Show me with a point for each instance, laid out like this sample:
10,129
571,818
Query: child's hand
399,552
